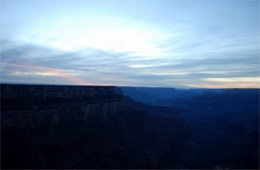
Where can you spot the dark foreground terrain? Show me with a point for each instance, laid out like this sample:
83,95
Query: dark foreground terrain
47,126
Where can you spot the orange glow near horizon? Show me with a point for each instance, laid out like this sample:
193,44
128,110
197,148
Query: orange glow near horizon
48,71
225,86
211,83
229,82
239,86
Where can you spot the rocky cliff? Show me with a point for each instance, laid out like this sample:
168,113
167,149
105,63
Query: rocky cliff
86,127
28,105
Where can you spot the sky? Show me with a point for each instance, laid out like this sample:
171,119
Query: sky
153,43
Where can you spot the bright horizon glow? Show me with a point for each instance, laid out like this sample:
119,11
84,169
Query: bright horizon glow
226,86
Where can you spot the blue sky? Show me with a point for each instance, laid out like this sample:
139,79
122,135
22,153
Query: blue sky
163,43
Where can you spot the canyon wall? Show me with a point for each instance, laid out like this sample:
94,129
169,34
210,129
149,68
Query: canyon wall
87,127
28,105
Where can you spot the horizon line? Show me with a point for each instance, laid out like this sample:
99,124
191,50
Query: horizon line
124,86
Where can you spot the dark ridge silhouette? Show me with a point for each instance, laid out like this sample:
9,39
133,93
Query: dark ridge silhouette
85,127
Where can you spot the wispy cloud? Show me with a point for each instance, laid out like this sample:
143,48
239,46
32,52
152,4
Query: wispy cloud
92,66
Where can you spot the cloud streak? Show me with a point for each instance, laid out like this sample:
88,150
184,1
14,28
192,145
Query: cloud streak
97,67
42,71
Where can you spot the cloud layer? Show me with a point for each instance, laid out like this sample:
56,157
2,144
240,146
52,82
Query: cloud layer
28,63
